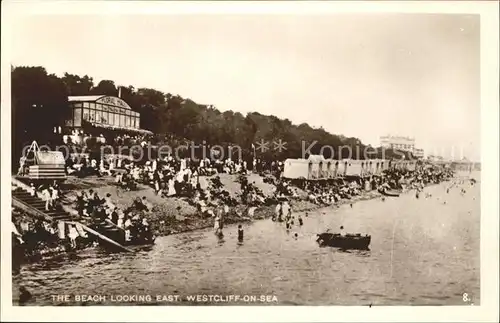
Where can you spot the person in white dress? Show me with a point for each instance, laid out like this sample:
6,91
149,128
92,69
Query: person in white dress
120,219
127,225
251,211
72,234
216,223
171,187
46,197
32,190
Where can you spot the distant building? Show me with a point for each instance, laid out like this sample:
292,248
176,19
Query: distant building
398,142
418,153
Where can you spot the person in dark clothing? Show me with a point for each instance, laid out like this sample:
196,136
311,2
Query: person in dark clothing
80,204
114,216
240,233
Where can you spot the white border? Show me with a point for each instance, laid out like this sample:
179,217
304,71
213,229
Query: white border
488,311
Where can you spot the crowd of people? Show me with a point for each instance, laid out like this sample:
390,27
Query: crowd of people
171,177
133,219
81,139
33,238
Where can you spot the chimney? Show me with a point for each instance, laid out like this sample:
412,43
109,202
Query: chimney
120,92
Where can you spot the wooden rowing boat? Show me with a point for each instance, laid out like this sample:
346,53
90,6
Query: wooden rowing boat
348,241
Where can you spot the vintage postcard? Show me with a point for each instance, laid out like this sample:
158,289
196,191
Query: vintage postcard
244,161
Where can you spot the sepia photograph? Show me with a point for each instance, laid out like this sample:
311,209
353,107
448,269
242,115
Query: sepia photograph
247,159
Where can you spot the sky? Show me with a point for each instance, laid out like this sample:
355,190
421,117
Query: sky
358,75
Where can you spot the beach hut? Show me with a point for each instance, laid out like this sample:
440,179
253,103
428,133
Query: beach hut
314,168
43,165
331,168
354,167
296,168
316,164
368,167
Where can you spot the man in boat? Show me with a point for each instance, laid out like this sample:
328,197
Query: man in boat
342,232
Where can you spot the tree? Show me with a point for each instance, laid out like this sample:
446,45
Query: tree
39,103
105,87
43,98
77,85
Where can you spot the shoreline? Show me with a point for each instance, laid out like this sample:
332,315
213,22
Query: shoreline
166,219
266,212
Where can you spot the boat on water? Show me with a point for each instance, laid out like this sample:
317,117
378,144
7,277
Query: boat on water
348,241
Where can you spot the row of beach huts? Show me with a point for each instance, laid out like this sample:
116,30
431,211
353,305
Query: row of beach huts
316,167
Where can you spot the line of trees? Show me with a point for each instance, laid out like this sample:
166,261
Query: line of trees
40,102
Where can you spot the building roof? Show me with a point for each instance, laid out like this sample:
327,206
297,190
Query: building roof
104,99
85,98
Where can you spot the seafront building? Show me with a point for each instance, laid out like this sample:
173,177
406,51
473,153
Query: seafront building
398,142
401,143
102,111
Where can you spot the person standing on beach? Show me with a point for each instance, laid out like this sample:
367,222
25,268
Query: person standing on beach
251,211
240,233
72,235
277,212
32,190
216,223
285,209
221,218
156,181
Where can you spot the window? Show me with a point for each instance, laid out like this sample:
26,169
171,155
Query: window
77,117
85,104
92,105
122,120
127,121
116,118
104,117
92,115
69,121
86,114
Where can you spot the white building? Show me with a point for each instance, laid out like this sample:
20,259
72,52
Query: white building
398,142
